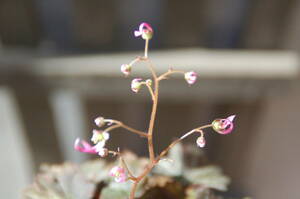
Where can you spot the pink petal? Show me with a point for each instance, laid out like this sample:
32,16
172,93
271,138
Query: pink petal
142,26
84,147
231,118
145,25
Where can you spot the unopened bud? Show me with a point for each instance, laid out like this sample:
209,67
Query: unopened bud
126,69
136,84
99,121
149,82
201,141
190,77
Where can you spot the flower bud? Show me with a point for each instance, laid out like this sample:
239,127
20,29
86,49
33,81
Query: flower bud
126,69
201,141
136,84
99,121
149,82
190,77
223,126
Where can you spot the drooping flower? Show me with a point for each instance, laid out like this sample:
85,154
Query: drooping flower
223,126
201,141
136,84
99,138
145,31
99,121
118,173
126,69
190,77
84,147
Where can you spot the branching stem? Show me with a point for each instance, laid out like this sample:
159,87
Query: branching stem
119,124
169,72
165,151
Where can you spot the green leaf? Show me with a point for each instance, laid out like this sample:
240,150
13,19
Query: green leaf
209,176
110,193
173,164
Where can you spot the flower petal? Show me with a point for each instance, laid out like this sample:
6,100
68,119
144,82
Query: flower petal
84,146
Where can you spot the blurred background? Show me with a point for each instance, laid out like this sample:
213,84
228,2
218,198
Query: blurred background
60,68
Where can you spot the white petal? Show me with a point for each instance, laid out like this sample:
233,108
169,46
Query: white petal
99,146
106,135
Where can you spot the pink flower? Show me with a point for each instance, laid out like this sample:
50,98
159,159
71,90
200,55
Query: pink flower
84,147
136,84
145,30
190,77
118,173
126,69
201,141
223,126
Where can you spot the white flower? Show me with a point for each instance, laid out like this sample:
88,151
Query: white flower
99,137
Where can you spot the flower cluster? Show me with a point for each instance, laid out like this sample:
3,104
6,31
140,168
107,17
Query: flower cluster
99,138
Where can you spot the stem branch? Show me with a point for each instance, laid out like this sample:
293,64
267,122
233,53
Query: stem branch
119,124
165,151
169,72
146,48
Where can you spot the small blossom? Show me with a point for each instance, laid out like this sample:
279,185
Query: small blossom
118,173
149,82
126,69
103,152
223,126
136,84
201,141
84,147
145,31
190,77
99,121
99,137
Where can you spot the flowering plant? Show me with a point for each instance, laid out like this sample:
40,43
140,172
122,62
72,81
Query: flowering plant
121,172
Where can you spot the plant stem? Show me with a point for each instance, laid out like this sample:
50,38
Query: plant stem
169,72
133,189
165,151
126,167
146,48
151,91
119,124
152,120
